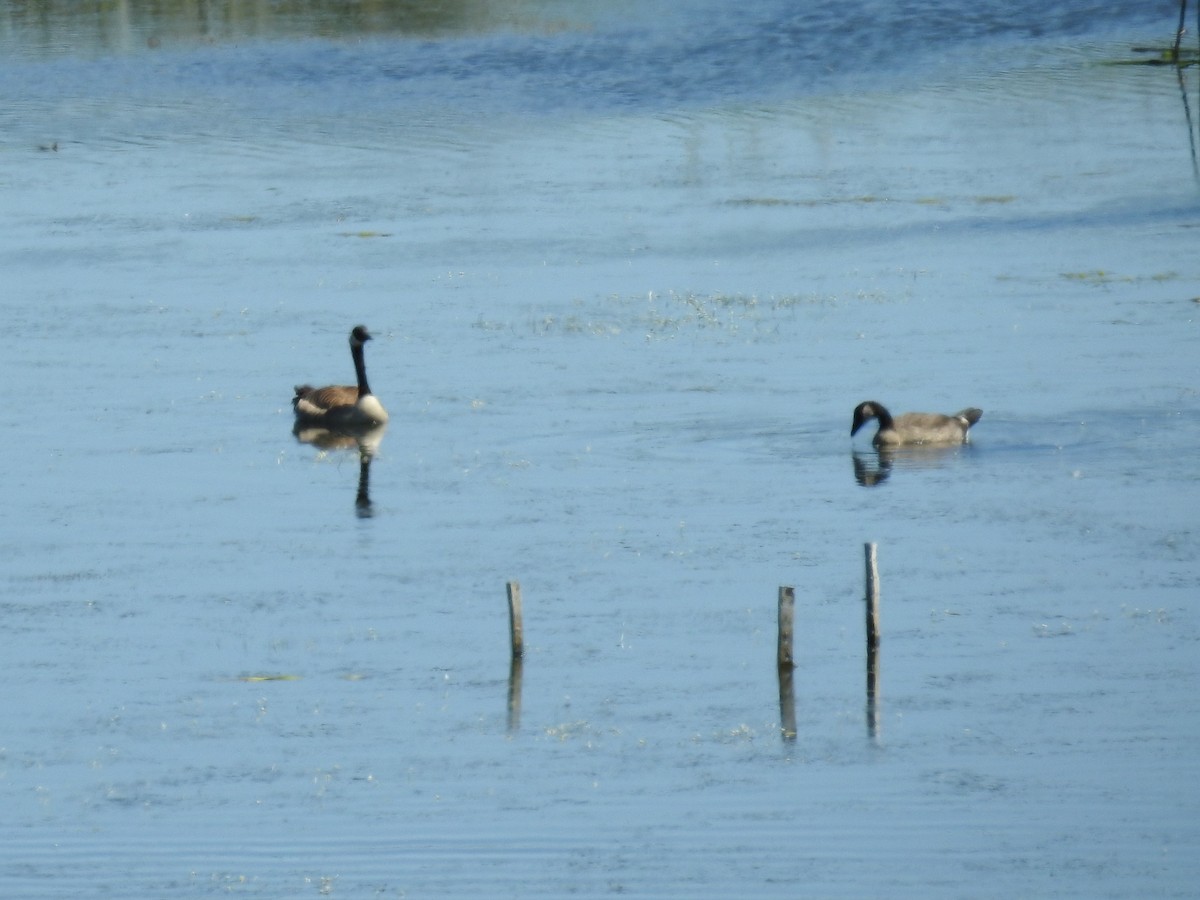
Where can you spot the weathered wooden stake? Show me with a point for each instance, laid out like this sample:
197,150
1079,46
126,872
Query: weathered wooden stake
872,597
872,604
514,620
786,662
787,615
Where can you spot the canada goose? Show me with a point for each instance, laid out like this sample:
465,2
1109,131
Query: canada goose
914,428
341,407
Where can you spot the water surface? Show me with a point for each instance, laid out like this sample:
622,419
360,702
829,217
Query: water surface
629,273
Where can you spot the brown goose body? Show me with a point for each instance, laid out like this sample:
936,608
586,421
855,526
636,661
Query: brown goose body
914,428
340,407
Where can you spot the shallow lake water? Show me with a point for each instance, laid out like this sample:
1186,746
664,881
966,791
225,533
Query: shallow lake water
628,275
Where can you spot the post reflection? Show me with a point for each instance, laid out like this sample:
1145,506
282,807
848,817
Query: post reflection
787,704
514,694
873,702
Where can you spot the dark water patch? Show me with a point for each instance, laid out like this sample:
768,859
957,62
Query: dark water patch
662,58
55,28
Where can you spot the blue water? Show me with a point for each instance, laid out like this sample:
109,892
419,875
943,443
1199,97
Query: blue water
629,270
650,57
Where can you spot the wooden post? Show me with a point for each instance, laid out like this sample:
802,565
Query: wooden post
786,662
872,563
514,620
872,597
787,615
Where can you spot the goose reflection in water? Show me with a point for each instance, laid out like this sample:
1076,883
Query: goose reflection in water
874,467
366,441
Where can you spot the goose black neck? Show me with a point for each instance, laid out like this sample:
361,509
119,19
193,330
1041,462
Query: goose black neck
884,417
360,369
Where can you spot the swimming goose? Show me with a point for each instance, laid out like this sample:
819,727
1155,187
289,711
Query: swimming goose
914,428
341,407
